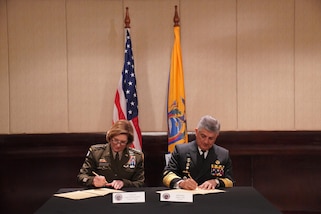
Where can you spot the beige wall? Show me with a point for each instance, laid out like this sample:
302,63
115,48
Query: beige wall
253,64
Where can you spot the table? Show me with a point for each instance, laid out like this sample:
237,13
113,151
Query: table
234,200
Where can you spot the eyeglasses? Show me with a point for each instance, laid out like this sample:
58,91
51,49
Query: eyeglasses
116,141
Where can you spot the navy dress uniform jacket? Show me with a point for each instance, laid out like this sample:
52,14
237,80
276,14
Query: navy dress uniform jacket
186,159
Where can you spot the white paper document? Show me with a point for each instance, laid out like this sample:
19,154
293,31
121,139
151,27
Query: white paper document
181,195
194,192
82,194
129,197
176,196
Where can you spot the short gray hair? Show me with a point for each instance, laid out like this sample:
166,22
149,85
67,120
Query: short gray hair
209,123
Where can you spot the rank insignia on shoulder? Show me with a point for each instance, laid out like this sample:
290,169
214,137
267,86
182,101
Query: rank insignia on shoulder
135,150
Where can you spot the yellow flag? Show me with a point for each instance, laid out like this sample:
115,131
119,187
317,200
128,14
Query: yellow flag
176,114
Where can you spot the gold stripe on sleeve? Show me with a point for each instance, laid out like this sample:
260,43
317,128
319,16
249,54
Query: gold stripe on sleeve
168,178
227,182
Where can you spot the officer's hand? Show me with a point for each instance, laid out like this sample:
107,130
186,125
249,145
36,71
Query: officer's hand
188,184
99,181
209,184
116,184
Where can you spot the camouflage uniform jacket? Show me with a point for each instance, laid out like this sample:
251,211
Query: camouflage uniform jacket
99,159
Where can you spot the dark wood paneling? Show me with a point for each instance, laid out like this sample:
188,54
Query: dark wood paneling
283,166
290,182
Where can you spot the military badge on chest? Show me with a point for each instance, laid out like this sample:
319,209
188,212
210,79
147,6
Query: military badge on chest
131,162
103,164
217,169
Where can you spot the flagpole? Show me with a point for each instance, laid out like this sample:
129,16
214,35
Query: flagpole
176,17
127,19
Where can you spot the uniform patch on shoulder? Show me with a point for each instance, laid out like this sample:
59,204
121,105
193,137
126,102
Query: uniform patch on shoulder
98,147
135,150
88,152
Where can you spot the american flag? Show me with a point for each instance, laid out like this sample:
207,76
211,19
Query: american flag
126,101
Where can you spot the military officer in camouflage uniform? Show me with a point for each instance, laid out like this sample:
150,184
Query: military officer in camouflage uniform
114,164
200,163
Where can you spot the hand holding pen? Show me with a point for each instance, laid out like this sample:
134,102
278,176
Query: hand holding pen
100,181
188,183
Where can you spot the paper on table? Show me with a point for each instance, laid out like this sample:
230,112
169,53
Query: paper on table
194,192
82,194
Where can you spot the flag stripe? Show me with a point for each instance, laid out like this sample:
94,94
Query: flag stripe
118,109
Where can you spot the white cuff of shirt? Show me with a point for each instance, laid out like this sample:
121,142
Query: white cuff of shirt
176,185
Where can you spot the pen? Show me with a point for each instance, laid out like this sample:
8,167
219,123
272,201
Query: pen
95,173
98,175
188,175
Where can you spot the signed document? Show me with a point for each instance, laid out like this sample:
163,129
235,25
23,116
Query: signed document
82,194
194,192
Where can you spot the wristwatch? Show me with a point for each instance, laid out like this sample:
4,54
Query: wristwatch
217,183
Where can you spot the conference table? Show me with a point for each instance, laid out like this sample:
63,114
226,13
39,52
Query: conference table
234,200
